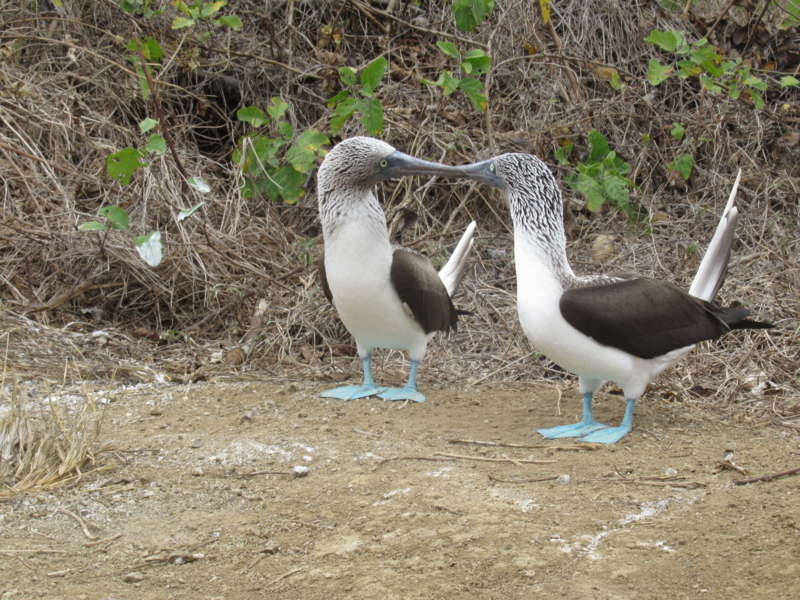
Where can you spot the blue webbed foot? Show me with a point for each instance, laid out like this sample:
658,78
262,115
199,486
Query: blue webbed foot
351,392
585,427
607,436
576,430
614,434
406,393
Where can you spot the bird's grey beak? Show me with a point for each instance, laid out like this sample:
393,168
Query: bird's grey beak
400,165
484,171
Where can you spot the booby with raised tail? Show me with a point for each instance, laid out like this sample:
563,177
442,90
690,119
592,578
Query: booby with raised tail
603,328
386,296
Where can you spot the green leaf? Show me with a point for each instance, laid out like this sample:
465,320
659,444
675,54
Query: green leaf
372,116
471,88
479,62
149,248
615,82
666,40
734,91
758,101
789,81
188,212
289,183
372,74
562,154
656,72
117,217
754,82
301,156
232,21
347,76
449,83
147,125
591,189
211,8
142,80
286,130
343,111
677,131
123,164
645,140
599,147
277,108
471,13
157,144
182,22
616,190
199,184
91,226
251,114
449,48
683,164
710,84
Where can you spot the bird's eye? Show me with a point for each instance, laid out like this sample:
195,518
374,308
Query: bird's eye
491,167
384,163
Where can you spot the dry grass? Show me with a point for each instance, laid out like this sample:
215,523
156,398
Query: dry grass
43,448
68,100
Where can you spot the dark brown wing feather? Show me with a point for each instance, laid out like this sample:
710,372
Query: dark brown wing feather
420,288
323,277
644,317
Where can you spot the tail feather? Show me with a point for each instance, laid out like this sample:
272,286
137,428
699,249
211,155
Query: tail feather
453,272
714,266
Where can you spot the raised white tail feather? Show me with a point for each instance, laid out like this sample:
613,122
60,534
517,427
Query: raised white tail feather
714,265
453,272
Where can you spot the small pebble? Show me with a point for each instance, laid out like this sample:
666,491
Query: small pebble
563,480
197,472
270,548
671,472
196,444
299,471
134,577
730,447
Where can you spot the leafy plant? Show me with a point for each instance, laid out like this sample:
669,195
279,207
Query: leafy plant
602,177
347,103
701,60
475,62
148,246
196,11
263,159
471,13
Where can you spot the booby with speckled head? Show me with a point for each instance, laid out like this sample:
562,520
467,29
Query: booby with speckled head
603,328
387,296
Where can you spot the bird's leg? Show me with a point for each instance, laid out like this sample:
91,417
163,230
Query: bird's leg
614,434
351,392
586,426
407,393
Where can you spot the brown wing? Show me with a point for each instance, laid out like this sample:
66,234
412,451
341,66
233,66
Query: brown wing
644,317
420,288
323,277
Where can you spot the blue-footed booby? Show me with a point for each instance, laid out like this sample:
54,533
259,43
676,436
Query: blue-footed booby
386,296
601,327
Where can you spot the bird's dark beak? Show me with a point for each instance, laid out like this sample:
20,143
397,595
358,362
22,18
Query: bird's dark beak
401,165
484,171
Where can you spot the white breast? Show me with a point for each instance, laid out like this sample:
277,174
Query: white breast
358,261
538,295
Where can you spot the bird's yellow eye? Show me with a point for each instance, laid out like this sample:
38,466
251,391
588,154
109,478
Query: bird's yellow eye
491,167
384,163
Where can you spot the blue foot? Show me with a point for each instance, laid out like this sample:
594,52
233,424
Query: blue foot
607,436
585,427
406,393
614,434
351,392
577,430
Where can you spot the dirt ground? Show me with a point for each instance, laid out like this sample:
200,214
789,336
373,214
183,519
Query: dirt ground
356,527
